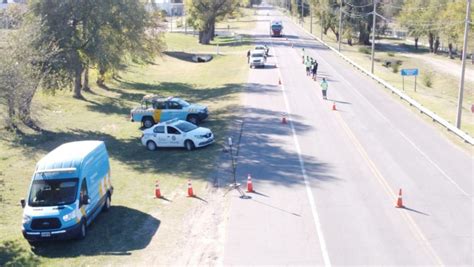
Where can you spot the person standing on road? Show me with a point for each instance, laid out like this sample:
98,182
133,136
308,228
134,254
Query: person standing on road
248,56
315,70
308,65
302,57
324,88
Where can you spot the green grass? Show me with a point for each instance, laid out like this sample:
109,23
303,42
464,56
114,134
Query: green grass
440,98
136,216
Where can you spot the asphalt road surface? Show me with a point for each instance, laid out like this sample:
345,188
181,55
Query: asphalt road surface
327,182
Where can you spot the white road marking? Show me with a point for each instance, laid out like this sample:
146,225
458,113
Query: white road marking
317,223
451,180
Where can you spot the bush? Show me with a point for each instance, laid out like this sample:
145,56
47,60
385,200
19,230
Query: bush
395,66
364,50
390,54
427,78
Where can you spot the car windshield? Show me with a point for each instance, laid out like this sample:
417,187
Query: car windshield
259,48
186,126
182,102
53,192
257,55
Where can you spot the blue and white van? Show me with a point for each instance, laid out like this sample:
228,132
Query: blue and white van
69,188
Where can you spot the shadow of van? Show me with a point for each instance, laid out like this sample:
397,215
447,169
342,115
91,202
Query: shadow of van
116,232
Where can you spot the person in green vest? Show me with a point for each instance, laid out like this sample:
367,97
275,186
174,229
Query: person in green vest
324,88
309,62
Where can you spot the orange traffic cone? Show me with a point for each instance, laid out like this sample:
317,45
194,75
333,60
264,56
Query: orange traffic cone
334,106
399,200
157,190
283,118
249,184
190,189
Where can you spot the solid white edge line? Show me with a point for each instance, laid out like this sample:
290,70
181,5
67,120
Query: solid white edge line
451,180
317,223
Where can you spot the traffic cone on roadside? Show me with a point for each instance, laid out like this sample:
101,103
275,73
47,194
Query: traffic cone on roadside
249,184
283,118
157,190
334,106
190,189
399,200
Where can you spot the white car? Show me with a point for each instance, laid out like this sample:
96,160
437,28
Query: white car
261,48
176,133
257,59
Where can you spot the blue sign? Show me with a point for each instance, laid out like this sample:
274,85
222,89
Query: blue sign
409,72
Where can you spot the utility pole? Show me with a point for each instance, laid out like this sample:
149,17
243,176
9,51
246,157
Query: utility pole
340,27
374,15
302,13
310,20
321,21
463,69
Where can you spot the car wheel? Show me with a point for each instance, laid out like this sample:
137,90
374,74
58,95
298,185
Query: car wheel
83,231
107,203
189,145
193,119
151,145
148,122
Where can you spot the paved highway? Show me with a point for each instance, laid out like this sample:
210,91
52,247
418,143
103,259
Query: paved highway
327,182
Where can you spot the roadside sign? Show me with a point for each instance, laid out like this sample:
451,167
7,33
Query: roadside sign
408,72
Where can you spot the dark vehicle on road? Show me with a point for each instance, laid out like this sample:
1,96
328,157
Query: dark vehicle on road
276,28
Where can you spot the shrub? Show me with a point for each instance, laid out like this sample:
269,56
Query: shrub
390,54
427,78
396,66
364,50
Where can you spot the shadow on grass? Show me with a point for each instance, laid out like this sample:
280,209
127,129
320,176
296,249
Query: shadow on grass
13,254
117,232
134,92
183,90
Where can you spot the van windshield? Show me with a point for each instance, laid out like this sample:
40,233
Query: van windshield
53,192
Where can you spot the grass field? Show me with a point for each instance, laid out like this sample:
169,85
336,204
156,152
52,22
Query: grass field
135,216
441,97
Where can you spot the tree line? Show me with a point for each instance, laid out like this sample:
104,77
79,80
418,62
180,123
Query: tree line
57,42
434,20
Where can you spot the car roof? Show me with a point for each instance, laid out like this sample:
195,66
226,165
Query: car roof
259,46
169,122
156,98
253,52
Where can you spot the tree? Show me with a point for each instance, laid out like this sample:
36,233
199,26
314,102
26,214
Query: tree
454,15
21,73
203,15
92,33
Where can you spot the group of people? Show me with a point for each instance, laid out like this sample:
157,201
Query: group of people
311,67
312,71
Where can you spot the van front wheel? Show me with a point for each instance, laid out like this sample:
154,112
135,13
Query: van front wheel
83,231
